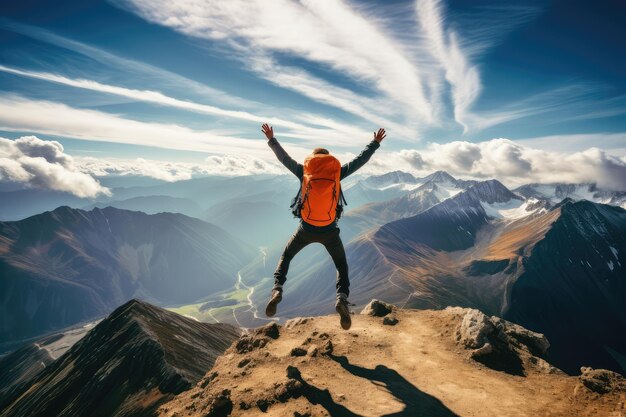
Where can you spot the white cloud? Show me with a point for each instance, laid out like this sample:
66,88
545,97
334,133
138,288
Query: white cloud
516,164
43,164
236,165
228,165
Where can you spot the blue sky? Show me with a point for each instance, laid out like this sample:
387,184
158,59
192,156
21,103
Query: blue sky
178,81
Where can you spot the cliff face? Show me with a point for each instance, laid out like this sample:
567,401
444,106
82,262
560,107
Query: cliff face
66,266
394,362
573,287
131,362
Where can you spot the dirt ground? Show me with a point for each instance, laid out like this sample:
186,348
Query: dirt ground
412,368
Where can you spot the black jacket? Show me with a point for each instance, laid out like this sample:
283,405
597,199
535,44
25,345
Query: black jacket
298,170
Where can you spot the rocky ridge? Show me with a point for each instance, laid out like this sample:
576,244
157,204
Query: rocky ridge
130,363
396,362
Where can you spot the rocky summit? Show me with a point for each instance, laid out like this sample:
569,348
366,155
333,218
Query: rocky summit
435,363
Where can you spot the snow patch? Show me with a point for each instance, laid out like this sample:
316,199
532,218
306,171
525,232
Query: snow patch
446,190
512,209
610,264
614,251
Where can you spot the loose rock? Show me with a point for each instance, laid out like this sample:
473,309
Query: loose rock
390,321
602,381
327,348
298,351
221,405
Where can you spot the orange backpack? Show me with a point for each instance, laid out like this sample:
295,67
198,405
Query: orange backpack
318,201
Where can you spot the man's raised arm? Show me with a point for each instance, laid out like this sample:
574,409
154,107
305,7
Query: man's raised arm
359,161
280,153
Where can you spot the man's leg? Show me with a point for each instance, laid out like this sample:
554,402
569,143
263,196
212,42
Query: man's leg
297,242
335,248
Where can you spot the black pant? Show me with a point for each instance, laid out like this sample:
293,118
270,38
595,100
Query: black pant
332,243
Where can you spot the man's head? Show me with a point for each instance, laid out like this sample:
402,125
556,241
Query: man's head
320,150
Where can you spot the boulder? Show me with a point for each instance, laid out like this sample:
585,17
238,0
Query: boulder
536,342
602,381
270,330
475,329
489,342
378,308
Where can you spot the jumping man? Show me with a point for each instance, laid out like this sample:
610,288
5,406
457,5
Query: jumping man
319,205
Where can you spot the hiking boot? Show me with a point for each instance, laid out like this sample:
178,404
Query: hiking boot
342,307
277,296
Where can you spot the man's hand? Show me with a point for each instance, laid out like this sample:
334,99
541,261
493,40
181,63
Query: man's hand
380,135
268,131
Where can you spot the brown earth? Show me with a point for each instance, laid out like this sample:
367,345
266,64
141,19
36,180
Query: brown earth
311,367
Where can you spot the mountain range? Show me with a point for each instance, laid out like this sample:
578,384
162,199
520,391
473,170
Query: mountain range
556,269
66,266
553,265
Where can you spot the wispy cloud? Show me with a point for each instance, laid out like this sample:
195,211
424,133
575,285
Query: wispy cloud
444,45
574,101
329,33
333,134
42,164
21,114
130,68
405,69
152,97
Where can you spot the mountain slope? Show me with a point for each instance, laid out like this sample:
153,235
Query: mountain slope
418,367
577,275
66,266
428,192
18,369
127,365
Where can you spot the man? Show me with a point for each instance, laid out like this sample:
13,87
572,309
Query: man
317,230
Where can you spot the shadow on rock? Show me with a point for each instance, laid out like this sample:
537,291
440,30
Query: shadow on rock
319,396
417,402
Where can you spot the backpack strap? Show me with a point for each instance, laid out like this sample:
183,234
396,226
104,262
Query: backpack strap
342,199
342,202
296,203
